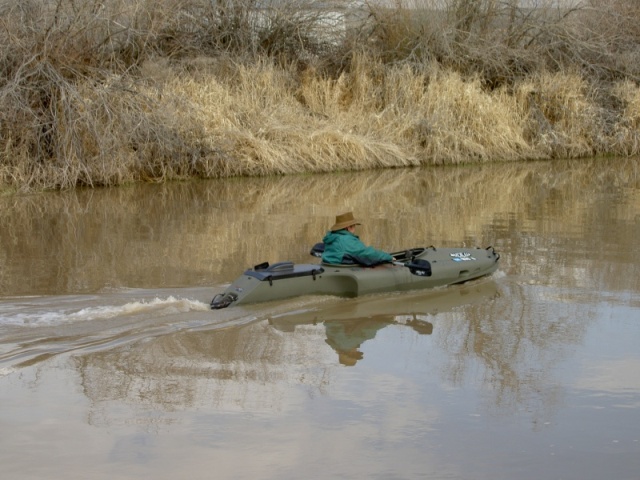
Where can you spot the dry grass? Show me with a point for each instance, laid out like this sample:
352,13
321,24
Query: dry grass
134,90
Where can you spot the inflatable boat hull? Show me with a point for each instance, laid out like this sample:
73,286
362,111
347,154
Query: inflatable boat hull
417,268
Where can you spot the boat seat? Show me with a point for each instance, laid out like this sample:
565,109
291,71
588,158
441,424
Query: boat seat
282,270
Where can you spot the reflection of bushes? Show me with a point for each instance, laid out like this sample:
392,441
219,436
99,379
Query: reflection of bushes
95,93
204,233
231,367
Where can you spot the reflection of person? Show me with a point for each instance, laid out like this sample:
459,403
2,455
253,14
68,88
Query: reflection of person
347,336
342,245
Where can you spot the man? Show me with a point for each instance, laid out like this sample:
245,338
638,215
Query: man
342,245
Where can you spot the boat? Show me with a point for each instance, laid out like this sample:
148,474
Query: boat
412,269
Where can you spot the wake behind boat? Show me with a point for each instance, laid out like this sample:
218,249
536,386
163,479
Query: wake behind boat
416,268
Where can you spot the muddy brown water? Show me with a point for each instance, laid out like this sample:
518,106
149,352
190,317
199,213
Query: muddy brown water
112,365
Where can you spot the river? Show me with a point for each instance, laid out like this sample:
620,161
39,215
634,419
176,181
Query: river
113,366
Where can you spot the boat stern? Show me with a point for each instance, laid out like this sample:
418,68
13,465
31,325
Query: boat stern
268,282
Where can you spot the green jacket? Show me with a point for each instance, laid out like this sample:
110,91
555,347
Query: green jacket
343,243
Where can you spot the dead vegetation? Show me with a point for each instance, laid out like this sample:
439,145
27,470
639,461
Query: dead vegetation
105,93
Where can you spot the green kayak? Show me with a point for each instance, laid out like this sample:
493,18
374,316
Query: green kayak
416,268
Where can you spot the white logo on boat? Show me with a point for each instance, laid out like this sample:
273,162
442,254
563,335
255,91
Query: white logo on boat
461,257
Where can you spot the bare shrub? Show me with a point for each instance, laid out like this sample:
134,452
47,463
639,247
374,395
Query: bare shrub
482,37
63,69
287,30
75,109
503,41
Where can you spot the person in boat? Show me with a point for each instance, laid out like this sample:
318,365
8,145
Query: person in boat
343,246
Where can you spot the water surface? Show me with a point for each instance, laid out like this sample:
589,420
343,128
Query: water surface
113,366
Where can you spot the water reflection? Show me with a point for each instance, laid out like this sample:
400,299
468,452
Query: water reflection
248,367
351,323
204,233
243,369
540,357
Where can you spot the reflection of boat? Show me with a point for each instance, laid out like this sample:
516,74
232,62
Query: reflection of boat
349,324
417,268
395,309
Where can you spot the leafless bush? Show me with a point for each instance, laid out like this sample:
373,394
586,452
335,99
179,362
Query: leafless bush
62,67
74,109
508,40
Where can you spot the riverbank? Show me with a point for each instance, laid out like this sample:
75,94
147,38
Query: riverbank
93,108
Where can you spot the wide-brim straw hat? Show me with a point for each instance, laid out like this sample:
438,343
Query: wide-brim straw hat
343,221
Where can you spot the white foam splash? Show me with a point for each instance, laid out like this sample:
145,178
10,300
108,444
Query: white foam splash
4,371
159,306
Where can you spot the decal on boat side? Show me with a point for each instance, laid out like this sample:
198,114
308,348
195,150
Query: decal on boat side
461,257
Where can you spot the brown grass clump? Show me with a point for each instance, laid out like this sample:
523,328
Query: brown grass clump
626,140
563,120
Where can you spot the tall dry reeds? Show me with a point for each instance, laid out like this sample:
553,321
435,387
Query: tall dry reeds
105,93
